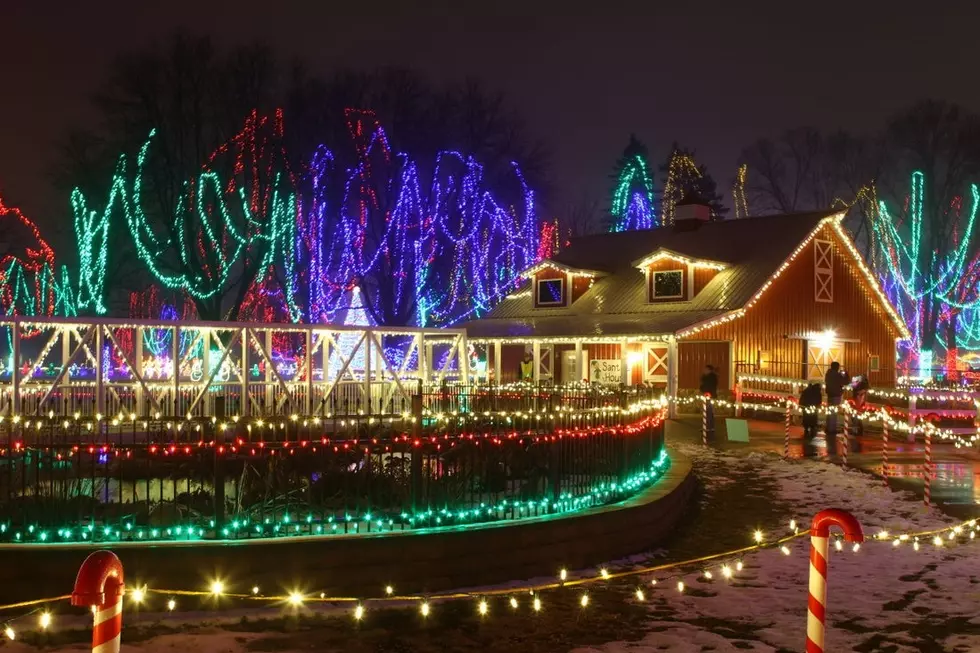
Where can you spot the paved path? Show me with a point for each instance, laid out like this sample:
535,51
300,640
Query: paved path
955,488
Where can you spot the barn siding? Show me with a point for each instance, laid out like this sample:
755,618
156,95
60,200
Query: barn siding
788,308
693,356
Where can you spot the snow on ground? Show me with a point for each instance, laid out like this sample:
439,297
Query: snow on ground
882,598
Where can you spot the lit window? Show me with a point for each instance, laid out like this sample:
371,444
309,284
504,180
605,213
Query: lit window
551,292
667,284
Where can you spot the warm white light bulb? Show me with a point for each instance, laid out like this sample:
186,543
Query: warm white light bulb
255,590
640,596
483,608
513,602
424,609
537,604
680,586
757,536
45,620
584,601
389,590
171,604
563,575
9,632
359,613
784,549
217,587
295,599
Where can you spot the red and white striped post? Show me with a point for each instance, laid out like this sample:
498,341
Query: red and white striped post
816,614
99,584
704,419
844,443
927,471
789,417
884,444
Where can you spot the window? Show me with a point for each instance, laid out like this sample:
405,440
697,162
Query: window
668,284
874,363
551,292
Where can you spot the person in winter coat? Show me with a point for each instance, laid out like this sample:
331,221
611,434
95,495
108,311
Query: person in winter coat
809,403
834,382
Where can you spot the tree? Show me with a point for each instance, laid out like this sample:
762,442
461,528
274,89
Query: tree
931,248
683,176
209,208
582,217
631,204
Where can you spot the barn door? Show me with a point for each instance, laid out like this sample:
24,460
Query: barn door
819,358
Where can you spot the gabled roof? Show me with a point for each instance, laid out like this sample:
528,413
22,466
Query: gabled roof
753,250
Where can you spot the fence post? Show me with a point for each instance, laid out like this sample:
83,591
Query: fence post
789,416
913,400
884,444
738,399
927,472
705,400
417,449
219,464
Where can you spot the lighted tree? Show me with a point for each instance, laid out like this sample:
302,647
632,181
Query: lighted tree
738,192
683,176
631,206
936,292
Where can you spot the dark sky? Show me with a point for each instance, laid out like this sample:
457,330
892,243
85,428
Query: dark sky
712,75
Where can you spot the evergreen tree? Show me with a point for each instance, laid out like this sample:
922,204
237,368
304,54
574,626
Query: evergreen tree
631,205
683,176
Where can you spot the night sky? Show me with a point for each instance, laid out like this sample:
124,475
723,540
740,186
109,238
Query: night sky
712,77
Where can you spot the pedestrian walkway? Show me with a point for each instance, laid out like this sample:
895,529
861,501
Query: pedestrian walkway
955,486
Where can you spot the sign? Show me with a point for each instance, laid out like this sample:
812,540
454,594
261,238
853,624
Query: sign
738,430
606,372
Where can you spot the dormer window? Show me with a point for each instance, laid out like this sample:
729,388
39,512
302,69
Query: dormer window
550,292
667,284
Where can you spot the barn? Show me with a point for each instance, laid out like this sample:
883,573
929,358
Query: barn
778,296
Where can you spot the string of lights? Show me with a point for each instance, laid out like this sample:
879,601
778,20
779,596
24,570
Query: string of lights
724,566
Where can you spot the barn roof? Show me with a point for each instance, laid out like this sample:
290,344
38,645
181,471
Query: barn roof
753,249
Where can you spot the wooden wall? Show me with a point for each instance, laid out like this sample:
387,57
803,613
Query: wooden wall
693,356
788,309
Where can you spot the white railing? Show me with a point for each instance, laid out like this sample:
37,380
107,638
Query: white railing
90,366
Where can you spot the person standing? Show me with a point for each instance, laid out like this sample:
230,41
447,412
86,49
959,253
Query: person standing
527,367
809,405
709,389
834,382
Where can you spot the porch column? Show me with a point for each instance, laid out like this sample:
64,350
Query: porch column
579,374
672,376
536,354
498,364
625,371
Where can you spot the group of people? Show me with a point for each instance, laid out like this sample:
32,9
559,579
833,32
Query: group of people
835,381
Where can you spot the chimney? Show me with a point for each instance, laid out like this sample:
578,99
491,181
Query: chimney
690,213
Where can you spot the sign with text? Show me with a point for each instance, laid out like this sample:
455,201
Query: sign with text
606,372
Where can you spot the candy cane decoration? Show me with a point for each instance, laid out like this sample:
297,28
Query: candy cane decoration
100,584
816,613
847,434
927,472
704,419
789,415
884,444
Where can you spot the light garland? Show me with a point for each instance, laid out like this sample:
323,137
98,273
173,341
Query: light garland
727,565
665,254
